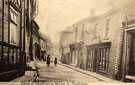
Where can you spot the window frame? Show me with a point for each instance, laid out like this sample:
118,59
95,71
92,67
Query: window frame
14,21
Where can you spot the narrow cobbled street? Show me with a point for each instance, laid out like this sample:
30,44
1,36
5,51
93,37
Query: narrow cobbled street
61,73
90,41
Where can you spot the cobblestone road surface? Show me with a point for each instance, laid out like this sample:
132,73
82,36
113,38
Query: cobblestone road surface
61,73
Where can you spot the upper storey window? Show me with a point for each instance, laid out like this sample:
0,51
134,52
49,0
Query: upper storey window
14,30
107,28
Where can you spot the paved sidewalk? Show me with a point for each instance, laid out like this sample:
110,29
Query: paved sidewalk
30,75
95,75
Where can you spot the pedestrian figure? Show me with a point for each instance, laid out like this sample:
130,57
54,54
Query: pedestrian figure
48,60
55,61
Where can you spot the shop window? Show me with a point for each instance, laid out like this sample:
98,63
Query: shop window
98,57
103,59
4,62
90,59
17,55
11,56
5,55
14,55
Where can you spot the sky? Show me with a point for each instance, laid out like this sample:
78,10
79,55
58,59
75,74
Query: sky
55,15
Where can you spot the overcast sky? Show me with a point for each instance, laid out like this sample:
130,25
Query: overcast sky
55,15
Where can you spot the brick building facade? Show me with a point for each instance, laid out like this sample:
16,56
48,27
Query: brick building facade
15,34
103,43
11,39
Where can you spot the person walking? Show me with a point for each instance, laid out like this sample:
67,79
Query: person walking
55,61
48,60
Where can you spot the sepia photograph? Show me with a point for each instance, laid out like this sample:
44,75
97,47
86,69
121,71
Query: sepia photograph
67,42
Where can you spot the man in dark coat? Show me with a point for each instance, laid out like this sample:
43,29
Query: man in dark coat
48,60
55,61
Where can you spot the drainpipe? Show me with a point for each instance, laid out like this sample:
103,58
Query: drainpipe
2,33
31,37
9,1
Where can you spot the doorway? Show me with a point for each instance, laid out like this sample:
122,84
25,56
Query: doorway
95,60
92,60
131,70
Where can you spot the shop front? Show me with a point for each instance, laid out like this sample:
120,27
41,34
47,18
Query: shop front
98,57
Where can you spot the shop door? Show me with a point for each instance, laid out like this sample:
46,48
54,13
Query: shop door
92,60
95,60
131,70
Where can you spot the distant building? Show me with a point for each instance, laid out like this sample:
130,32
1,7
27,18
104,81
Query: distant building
55,51
66,38
45,46
36,46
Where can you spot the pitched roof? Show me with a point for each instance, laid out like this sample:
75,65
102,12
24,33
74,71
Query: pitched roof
45,37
